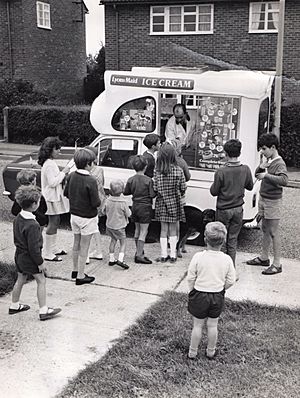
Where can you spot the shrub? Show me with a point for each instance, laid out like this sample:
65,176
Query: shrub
31,124
8,277
290,134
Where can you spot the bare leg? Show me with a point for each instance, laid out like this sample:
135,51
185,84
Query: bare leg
266,242
83,252
173,238
272,226
143,229
17,290
41,289
212,336
76,247
122,249
196,336
98,250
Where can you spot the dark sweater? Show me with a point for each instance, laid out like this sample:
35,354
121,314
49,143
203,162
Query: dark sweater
274,180
141,188
230,182
150,164
28,241
82,192
40,215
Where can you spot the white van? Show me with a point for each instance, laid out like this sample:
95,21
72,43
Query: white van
226,104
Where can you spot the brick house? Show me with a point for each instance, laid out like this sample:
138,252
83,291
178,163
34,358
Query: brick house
44,42
187,33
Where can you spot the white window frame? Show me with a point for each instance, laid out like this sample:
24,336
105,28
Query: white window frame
45,21
267,12
166,15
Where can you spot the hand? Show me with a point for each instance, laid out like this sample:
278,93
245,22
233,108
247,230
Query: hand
264,165
260,176
66,170
43,269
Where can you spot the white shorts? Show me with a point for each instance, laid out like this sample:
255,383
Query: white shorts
84,226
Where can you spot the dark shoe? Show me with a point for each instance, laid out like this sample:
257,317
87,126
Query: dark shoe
86,279
142,260
50,313
55,258
258,261
122,264
173,260
111,263
211,357
22,307
272,270
61,253
74,274
162,259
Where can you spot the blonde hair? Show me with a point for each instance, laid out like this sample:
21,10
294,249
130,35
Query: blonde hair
116,187
215,233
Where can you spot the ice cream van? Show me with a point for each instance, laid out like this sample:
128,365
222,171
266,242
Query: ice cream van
222,104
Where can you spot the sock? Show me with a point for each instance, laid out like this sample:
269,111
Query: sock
210,352
112,257
140,248
164,247
173,243
43,310
48,244
14,306
193,352
121,257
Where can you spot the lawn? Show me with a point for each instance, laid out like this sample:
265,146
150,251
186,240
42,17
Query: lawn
258,356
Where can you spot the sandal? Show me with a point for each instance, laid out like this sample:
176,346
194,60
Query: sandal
272,270
55,258
61,253
259,262
22,307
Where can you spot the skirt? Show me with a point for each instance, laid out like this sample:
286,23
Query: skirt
56,208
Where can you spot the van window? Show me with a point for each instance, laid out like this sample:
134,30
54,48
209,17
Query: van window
136,115
117,152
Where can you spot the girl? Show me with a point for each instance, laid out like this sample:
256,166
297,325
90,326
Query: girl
170,185
52,190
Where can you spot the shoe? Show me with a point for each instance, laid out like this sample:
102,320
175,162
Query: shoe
211,357
272,270
96,256
50,313
86,279
22,307
122,264
258,261
111,263
173,260
142,260
55,258
162,259
61,253
74,274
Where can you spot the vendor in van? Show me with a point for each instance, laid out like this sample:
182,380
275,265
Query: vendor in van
179,127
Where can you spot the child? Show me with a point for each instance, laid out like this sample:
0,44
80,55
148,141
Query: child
210,273
140,187
98,173
152,142
117,212
273,176
81,189
28,257
28,177
230,182
170,186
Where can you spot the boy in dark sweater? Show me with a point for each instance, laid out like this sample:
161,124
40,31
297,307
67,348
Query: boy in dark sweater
140,187
28,257
82,191
273,176
230,182
152,142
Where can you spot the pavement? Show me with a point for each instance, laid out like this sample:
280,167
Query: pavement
37,359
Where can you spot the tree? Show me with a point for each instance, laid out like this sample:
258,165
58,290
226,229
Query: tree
94,82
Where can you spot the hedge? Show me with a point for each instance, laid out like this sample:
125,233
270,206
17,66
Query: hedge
290,135
31,124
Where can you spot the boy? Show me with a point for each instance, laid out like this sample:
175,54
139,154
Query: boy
140,187
28,257
82,191
152,142
273,176
117,212
28,177
230,182
210,273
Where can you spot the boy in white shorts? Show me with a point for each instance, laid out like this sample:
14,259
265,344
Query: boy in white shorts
82,191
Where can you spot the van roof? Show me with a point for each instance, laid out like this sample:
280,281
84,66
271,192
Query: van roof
245,83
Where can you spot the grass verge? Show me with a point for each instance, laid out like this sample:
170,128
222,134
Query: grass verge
258,356
8,277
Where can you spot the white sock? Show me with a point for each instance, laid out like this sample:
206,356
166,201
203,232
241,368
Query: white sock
164,247
112,257
15,306
48,245
121,257
173,242
43,310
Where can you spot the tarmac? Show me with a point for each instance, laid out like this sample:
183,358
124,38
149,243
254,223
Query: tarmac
37,359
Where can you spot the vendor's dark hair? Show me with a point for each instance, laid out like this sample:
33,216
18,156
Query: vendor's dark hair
183,107
268,139
46,149
233,148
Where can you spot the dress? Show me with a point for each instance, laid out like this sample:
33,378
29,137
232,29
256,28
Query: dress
52,190
99,174
170,190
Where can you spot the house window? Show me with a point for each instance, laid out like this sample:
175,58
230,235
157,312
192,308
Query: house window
197,19
264,17
43,15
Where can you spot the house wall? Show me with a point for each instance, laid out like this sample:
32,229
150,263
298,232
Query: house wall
230,41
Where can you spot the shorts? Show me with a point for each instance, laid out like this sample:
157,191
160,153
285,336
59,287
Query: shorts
205,305
142,213
116,234
84,226
25,265
269,209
